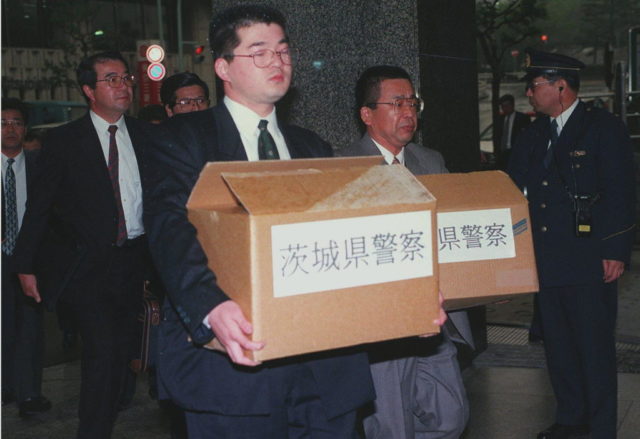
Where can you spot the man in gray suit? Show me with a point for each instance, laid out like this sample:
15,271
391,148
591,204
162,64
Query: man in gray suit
419,388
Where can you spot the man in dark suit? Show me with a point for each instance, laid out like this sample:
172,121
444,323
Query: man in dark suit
576,167
229,395
512,124
22,318
419,388
89,184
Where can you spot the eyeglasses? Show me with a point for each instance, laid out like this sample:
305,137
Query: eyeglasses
12,122
533,85
190,101
116,81
263,58
414,103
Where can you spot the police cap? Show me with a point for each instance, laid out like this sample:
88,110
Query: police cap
540,63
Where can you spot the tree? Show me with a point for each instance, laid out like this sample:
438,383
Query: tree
72,22
501,25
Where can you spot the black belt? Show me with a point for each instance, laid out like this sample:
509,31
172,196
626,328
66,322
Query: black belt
133,242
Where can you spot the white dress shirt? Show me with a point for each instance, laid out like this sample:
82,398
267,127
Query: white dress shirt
388,155
128,172
20,171
563,117
247,122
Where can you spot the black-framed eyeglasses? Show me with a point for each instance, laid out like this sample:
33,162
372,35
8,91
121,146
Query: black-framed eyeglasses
533,85
116,81
413,103
263,58
200,100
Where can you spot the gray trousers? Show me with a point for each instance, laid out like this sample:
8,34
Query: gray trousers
419,388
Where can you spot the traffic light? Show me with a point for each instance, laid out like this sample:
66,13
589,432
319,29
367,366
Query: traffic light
156,70
544,38
198,54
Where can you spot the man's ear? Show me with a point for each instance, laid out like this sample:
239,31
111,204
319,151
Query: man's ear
221,67
89,93
365,115
167,109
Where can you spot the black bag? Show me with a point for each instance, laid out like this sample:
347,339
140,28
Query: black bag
149,319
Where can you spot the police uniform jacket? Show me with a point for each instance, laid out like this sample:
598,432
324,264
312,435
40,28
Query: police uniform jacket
592,156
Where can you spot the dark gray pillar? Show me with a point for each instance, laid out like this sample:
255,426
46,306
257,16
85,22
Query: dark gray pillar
449,81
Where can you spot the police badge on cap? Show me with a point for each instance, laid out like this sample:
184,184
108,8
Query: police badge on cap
540,63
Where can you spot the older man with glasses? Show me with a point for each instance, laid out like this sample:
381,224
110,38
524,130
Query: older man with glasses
419,388
95,258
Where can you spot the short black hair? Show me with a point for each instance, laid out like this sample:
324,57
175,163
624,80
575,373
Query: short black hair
18,105
179,80
152,112
368,85
223,35
507,98
86,70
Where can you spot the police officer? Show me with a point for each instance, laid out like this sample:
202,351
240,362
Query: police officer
575,165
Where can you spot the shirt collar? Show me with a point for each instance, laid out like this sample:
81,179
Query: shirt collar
102,126
247,120
563,117
388,155
18,160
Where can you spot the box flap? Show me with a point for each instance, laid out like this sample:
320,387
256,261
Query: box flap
319,190
211,190
473,190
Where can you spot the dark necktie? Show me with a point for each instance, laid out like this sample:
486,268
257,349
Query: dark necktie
266,145
548,158
505,134
115,183
395,161
11,213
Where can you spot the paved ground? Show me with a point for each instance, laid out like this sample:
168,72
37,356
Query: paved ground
507,385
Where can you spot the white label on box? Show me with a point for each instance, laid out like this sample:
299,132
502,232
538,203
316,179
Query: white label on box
475,235
328,255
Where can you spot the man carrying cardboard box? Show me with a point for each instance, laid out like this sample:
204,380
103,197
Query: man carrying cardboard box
575,165
419,388
230,395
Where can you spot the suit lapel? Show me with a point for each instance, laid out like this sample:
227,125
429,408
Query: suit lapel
293,144
229,145
138,140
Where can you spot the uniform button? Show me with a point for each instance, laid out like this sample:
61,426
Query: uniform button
577,165
543,206
545,183
543,228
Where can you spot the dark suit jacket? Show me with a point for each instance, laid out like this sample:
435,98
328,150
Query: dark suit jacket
30,162
73,190
593,155
520,123
194,377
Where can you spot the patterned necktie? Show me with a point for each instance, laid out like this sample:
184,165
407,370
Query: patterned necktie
11,213
115,183
266,145
548,158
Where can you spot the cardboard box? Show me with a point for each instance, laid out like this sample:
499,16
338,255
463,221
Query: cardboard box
485,248
320,253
